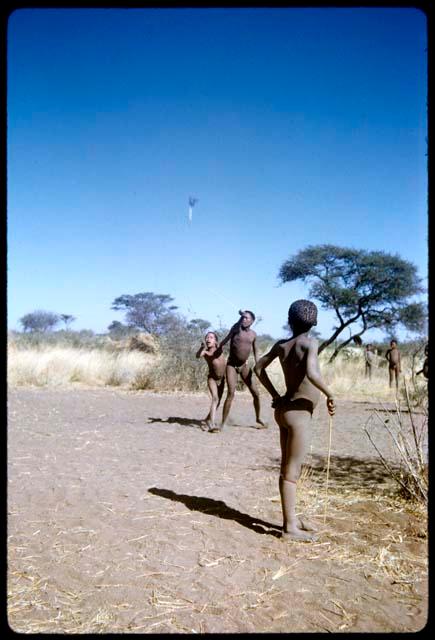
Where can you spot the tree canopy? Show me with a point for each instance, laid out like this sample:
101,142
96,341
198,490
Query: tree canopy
39,321
151,312
365,289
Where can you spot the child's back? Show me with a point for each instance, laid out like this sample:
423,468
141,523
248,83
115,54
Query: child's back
293,357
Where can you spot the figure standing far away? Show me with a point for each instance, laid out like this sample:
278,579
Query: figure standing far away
369,357
298,356
242,340
215,358
393,358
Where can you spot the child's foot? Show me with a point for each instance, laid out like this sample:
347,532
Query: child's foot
261,424
214,429
306,525
298,535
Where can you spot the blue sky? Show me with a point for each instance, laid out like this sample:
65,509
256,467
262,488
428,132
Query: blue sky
292,127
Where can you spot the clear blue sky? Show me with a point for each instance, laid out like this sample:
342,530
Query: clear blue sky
292,127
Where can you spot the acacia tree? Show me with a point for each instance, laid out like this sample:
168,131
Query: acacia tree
151,312
39,321
67,319
365,289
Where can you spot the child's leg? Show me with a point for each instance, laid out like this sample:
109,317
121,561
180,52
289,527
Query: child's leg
220,388
231,375
297,424
390,374
248,379
212,386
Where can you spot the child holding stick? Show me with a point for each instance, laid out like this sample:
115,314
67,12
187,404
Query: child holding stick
299,361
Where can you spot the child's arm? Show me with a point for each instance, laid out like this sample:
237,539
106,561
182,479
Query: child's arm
202,349
313,375
231,332
260,372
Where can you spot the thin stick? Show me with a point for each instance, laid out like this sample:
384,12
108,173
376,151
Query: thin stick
327,468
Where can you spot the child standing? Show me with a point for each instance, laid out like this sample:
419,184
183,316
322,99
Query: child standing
393,358
216,373
369,357
299,361
242,340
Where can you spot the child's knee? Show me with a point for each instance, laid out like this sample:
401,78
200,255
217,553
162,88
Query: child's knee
291,472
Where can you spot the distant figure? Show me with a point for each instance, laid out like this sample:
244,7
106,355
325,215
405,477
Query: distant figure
300,365
216,373
242,340
369,357
393,358
425,369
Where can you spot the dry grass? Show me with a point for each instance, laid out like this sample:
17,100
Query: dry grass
58,366
179,370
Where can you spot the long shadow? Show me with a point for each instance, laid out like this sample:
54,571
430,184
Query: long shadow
348,471
192,422
219,509
184,422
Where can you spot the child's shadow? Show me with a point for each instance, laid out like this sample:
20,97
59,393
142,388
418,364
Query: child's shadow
184,422
220,509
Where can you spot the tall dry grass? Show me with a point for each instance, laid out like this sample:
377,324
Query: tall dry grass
177,369
60,366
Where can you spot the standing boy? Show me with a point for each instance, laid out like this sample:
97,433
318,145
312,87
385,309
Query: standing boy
242,340
216,361
393,358
369,357
298,356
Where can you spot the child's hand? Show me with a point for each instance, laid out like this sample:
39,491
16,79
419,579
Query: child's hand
330,405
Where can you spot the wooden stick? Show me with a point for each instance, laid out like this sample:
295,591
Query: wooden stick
327,468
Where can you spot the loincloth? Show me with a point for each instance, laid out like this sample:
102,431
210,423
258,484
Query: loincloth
297,404
237,367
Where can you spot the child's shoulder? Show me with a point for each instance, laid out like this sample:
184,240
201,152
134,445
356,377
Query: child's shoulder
306,341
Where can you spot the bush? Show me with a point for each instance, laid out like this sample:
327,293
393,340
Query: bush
409,439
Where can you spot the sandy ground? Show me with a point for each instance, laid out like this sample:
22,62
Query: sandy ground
125,516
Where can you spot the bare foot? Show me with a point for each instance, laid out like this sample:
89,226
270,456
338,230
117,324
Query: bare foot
298,535
214,429
305,525
261,424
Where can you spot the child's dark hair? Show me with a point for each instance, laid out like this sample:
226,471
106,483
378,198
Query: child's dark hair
302,315
251,313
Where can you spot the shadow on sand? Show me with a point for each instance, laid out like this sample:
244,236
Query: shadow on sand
219,509
184,422
347,471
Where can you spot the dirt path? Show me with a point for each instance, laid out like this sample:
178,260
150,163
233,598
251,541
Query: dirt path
123,515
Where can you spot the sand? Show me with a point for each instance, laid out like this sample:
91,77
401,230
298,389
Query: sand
125,516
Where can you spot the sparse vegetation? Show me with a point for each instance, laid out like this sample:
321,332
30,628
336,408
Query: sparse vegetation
408,434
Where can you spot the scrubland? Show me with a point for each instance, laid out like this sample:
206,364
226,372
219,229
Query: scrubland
175,368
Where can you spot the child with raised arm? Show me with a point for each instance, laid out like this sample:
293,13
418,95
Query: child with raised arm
213,355
242,340
393,358
298,356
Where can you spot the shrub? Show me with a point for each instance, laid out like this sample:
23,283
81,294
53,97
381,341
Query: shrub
408,436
